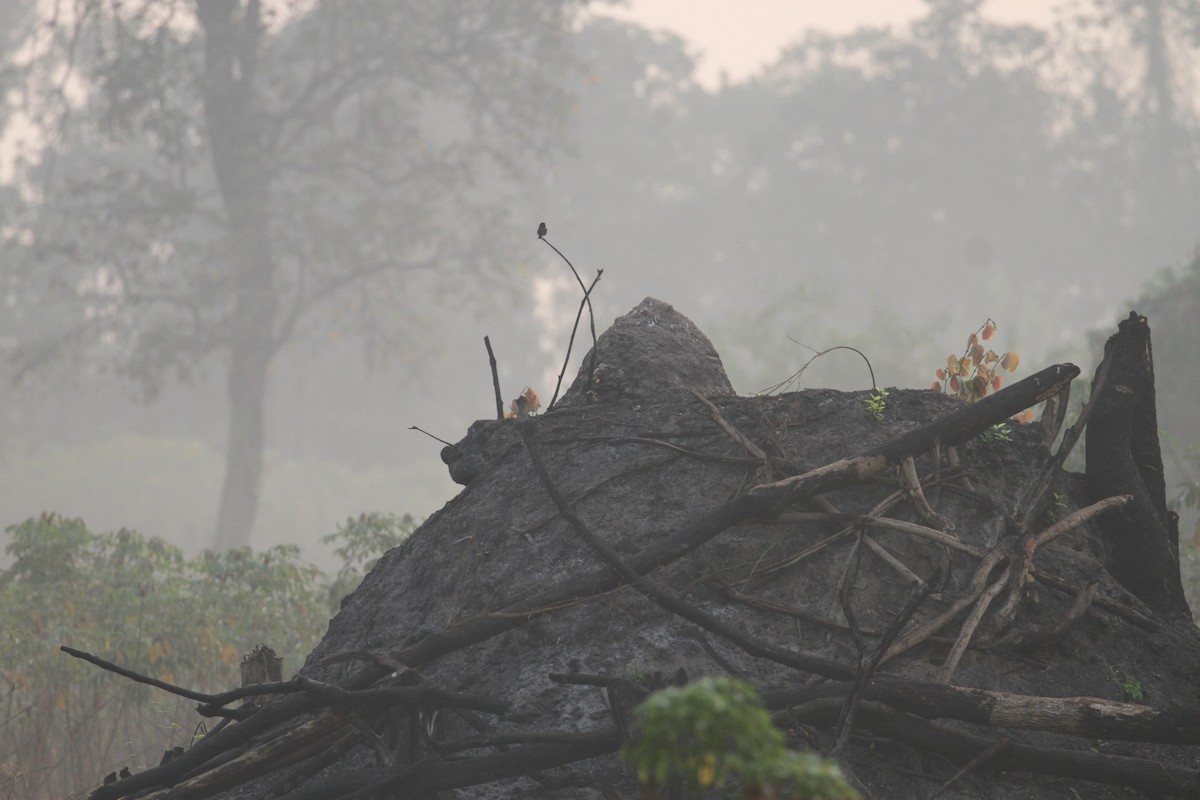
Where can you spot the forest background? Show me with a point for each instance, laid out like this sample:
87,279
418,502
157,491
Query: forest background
289,225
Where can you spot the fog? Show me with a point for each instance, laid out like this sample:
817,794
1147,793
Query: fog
244,252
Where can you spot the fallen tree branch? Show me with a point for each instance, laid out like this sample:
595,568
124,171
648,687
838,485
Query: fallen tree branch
739,437
1111,606
428,777
1150,776
970,626
1024,639
1077,518
1033,502
637,580
976,588
887,523
868,665
954,428
1089,717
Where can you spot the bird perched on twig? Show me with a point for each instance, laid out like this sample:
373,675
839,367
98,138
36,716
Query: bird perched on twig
541,230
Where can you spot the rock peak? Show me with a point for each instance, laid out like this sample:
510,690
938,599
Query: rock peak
650,352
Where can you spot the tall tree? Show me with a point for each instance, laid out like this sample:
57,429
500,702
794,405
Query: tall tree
224,176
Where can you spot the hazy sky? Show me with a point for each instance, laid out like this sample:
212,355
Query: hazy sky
740,37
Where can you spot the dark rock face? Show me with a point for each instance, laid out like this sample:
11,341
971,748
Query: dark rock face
639,456
650,353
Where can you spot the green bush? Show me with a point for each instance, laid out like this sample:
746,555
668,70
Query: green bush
137,602
716,731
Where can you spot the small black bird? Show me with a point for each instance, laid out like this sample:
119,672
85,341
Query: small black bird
541,230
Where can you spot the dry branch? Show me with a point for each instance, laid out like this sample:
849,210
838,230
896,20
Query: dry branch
487,342
739,437
954,428
1089,717
1153,777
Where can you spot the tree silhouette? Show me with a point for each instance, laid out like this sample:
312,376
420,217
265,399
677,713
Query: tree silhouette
225,177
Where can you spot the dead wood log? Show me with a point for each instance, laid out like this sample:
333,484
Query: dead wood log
954,428
1151,776
427,777
1091,717
1123,457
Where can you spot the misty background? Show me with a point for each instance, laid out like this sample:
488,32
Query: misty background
247,245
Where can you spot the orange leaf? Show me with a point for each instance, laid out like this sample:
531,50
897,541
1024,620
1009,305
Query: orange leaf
991,356
954,384
977,353
996,383
941,374
936,387
1025,417
989,330
1010,361
971,341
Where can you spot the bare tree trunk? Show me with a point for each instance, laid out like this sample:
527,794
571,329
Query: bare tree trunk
244,450
232,32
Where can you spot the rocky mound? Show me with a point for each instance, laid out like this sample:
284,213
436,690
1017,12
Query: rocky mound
932,606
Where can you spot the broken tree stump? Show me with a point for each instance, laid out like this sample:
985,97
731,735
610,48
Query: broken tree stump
1123,457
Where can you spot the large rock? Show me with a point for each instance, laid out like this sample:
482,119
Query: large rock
639,456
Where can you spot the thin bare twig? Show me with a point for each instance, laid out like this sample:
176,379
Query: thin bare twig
920,592
733,432
971,625
587,300
974,763
795,376
430,435
587,293
137,677
495,379
916,495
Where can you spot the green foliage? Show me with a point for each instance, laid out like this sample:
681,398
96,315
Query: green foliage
996,435
876,404
716,730
1057,508
1130,686
138,602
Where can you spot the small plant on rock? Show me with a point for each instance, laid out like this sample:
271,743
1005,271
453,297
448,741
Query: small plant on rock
876,404
977,371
